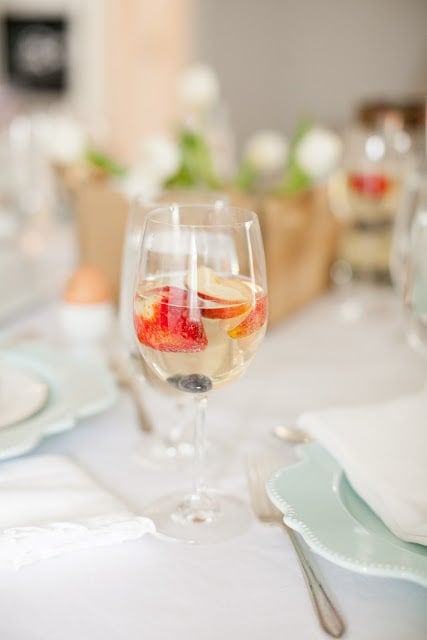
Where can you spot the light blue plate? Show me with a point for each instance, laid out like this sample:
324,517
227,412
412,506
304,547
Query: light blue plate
318,502
79,387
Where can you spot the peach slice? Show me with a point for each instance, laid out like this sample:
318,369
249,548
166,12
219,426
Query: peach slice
253,321
232,297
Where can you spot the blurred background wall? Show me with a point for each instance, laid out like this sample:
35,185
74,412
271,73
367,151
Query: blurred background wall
276,59
114,66
279,59
112,63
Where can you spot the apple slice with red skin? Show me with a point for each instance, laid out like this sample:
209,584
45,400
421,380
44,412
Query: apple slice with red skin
253,321
165,321
232,297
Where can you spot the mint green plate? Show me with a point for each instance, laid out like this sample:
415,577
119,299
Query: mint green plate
79,386
317,501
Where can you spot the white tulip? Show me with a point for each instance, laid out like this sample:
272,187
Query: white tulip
198,87
266,151
159,157
319,152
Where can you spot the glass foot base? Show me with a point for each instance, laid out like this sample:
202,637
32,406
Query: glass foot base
211,518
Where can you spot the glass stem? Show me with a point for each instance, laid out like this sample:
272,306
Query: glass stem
199,439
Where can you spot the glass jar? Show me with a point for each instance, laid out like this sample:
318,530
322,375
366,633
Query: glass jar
378,153
415,293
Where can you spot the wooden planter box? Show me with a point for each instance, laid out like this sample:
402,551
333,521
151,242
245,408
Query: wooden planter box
101,216
300,236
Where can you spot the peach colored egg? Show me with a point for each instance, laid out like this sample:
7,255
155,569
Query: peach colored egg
88,285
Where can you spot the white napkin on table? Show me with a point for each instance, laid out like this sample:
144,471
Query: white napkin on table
383,451
49,505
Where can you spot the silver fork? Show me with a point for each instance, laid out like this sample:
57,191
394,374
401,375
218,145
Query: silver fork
126,378
258,471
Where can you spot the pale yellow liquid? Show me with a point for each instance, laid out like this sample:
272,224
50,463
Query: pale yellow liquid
222,360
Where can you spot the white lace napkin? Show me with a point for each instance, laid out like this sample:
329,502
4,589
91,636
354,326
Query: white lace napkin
49,505
383,450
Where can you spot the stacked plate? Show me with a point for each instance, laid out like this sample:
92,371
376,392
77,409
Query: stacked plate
43,391
318,501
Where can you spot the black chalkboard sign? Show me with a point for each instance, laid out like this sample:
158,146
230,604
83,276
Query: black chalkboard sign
35,52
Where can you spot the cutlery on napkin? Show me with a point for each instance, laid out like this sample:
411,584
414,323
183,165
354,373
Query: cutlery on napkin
383,451
49,505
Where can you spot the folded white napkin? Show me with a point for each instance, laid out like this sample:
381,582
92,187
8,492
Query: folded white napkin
49,505
383,451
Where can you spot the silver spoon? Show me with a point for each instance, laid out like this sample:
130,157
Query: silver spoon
290,434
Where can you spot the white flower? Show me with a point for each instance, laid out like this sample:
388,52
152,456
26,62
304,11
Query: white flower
159,157
137,182
198,87
63,138
267,151
319,152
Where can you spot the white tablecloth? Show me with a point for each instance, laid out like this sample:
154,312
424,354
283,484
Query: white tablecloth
249,587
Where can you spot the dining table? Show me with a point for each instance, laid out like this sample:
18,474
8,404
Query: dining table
250,586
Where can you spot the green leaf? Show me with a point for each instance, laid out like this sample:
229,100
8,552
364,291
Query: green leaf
296,179
303,127
182,178
101,160
246,176
196,168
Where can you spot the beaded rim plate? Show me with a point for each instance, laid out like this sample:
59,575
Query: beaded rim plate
317,501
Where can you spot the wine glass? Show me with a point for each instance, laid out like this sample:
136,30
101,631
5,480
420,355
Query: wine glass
414,268
174,444
200,313
410,200
364,195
